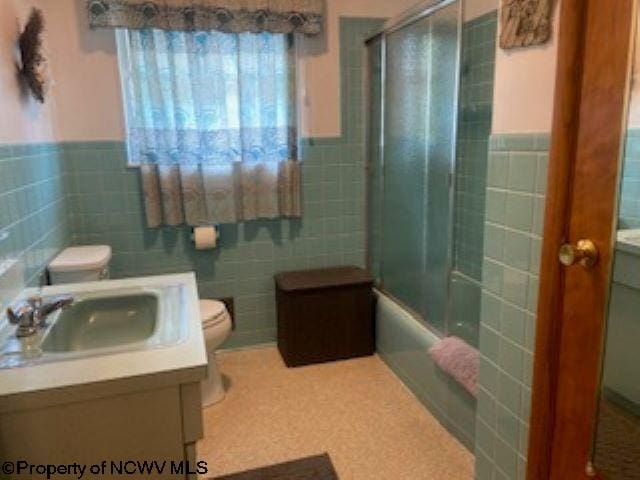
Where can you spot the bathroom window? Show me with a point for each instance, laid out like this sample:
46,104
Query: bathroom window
211,120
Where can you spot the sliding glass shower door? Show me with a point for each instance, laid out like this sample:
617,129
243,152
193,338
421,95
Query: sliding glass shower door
420,98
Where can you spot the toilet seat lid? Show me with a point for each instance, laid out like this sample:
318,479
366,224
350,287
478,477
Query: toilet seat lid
212,312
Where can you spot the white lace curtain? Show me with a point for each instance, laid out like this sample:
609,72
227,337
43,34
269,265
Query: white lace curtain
211,121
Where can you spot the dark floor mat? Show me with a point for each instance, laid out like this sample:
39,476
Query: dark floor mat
310,468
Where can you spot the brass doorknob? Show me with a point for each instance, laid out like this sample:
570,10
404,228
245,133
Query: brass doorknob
584,252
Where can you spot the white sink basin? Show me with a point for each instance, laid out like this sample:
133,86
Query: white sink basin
94,323
629,241
103,319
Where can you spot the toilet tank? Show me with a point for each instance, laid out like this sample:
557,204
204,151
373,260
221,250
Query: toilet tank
80,264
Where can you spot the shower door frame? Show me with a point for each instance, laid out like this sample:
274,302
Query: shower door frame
407,19
368,163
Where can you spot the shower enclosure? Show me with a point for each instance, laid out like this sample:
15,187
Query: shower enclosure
422,173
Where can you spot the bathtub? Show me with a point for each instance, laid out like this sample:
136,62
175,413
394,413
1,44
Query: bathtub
403,342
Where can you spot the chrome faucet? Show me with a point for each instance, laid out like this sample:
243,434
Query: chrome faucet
31,314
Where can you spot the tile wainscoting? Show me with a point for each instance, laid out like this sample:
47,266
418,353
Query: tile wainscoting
106,206
516,188
516,191
33,214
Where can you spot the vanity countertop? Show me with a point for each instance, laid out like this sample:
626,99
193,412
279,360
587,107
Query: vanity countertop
628,241
181,363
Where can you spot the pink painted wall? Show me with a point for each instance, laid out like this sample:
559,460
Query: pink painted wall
85,101
524,86
22,119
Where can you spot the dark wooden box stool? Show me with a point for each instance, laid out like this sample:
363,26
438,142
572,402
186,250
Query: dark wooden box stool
325,315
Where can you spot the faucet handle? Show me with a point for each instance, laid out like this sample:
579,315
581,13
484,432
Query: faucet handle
12,316
56,303
18,312
45,308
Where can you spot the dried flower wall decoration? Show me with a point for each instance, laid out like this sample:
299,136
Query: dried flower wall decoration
32,68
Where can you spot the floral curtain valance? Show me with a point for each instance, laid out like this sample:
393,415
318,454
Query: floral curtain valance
233,16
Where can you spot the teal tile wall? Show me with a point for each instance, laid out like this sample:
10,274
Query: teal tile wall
106,207
474,129
630,196
516,186
33,220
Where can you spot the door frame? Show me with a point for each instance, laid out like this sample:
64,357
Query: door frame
592,77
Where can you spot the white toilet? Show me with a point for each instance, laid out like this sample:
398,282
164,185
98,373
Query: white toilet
216,324
80,264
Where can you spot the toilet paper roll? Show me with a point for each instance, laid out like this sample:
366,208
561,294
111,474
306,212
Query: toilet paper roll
205,238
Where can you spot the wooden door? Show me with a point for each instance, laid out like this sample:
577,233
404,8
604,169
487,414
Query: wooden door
588,127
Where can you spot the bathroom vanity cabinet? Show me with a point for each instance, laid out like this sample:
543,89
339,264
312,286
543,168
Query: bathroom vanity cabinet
151,419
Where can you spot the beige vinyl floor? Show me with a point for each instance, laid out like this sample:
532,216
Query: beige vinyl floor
357,411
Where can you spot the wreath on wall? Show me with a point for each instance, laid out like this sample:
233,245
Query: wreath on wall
31,70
